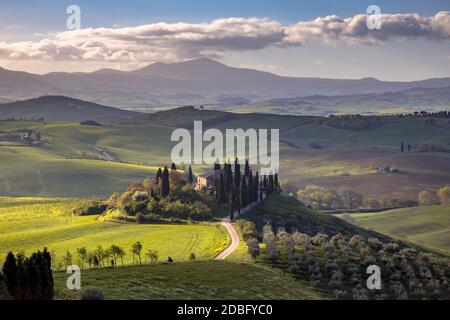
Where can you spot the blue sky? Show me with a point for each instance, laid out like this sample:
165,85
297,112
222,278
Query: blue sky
397,59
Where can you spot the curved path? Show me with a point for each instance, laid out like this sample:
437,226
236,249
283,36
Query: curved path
234,239
232,232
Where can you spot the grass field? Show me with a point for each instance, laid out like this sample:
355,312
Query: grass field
28,226
190,280
343,161
427,227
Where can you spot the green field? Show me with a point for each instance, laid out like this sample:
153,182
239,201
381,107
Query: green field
62,165
190,280
427,227
28,226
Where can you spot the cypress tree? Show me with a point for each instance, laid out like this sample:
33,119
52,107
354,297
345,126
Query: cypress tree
276,184
243,193
48,290
231,206
221,189
190,176
165,185
255,187
237,174
10,272
173,167
246,168
158,176
250,187
270,184
217,165
261,190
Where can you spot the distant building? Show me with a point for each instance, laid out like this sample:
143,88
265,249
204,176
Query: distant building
387,169
207,181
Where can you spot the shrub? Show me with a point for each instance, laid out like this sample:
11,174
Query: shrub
253,247
248,229
88,208
141,218
91,294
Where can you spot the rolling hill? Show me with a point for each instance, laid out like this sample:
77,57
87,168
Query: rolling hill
427,227
405,101
66,153
201,81
204,280
62,108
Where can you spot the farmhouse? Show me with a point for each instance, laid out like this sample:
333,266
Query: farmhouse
207,181
387,169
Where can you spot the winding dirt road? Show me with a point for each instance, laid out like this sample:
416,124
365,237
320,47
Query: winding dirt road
234,239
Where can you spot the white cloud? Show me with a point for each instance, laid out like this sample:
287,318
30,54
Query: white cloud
179,41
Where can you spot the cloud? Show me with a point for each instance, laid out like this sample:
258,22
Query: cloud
333,30
179,41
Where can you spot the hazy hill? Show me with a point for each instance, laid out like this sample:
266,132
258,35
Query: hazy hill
201,81
386,102
62,109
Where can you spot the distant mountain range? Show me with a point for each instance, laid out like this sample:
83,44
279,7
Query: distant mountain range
405,101
201,81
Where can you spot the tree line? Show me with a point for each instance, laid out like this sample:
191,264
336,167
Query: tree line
27,278
239,189
338,265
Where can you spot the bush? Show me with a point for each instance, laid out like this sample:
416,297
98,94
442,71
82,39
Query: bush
248,229
91,294
141,218
93,207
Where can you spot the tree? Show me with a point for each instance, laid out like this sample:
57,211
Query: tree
276,184
4,294
82,254
67,259
246,168
152,255
121,254
165,184
101,255
190,176
231,206
409,148
136,249
443,195
270,185
10,272
221,189
272,252
173,166
255,187
237,174
402,147
192,256
216,165
243,193
115,252
253,248
250,187
352,199
158,176
426,198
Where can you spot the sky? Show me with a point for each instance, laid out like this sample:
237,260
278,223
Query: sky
320,38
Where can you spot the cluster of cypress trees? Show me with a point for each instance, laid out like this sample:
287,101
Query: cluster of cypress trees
29,278
162,179
241,189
